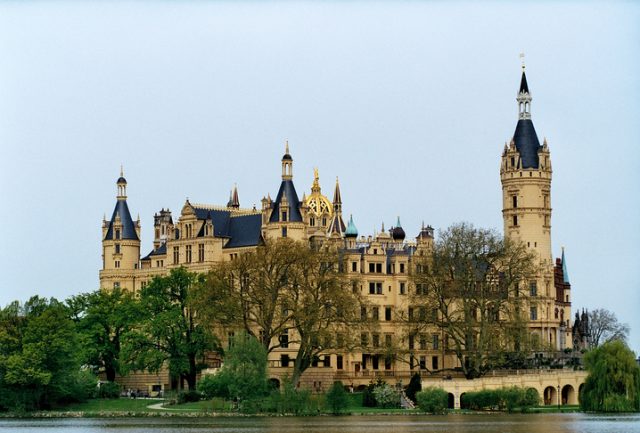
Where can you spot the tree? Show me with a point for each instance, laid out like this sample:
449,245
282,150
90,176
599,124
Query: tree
604,327
613,383
433,400
101,318
469,287
415,386
39,366
249,292
336,398
168,330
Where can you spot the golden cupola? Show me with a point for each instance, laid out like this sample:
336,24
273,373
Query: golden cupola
319,205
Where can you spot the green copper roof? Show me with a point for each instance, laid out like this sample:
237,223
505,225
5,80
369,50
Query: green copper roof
351,230
565,274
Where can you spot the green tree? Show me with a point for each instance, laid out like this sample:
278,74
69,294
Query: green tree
471,290
101,318
39,366
432,400
613,383
336,398
169,331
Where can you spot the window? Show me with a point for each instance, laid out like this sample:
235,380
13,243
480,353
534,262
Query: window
354,266
533,288
327,361
372,268
421,289
387,313
284,215
201,252
324,221
513,161
387,363
411,342
312,221
284,360
117,248
387,340
533,312
435,341
379,288
176,255
423,363
434,362
284,340
423,342
403,289
375,251
364,340
363,313
402,268
410,313
188,254
116,285
375,313
375,338
375,288
374,362
117,233
422,313
339,364
117,264
515,201
515,220
555,315
379,268
284,232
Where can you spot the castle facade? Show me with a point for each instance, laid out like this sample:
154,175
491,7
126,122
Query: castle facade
203,235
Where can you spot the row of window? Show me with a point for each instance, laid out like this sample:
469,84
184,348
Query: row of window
375,313
422,341
188,254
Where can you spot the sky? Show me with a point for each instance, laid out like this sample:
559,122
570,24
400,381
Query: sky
408,103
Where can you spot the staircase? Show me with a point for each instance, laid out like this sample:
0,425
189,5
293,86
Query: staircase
405,402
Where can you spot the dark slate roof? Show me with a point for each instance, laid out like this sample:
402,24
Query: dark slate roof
128,227
287,189
245,230
523,84
527,143
160,251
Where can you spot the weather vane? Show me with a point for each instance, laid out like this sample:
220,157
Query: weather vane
522,58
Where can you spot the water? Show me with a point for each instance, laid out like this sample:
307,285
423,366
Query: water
493,423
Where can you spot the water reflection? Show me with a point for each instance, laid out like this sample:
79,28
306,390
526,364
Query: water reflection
534,423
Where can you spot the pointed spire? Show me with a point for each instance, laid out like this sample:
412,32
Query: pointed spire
565,273
382,230
398,223
286,146
351,231
121,171
337,197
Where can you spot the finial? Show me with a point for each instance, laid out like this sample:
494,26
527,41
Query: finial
382,230
286,146
522,59
422,224
121,171
398,223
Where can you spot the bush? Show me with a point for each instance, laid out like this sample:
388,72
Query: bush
433,400
214,385
386,396
368,398
290,400
188,397
109,390
336,398
415,386
510,398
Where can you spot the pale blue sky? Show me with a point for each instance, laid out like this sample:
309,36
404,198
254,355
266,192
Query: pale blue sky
409,103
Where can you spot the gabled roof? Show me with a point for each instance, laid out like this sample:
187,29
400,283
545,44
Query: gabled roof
527,143
160,251
243,230
128,226
288,190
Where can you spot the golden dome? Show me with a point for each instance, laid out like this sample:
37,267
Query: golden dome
317,203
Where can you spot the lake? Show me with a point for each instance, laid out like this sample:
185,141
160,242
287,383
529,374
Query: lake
494,423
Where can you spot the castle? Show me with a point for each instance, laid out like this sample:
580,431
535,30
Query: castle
206,234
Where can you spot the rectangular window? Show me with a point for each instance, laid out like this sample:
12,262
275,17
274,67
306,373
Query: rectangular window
379,288
284,232
201,252
284,215
354,266
176,255
372,268
284,360
533,288
435,341
375,313
375,338
387,363
339,361
515,201
411,342
423,342
364,340
403,289
327,361
117,247
423,363
379,268
533,313
515,220
284,340
372,288
117,233
388,340
188,254
374,362
387,313
434,362
402,268
410,313
117,264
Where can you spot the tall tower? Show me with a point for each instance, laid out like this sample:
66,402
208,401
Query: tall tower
525,173
120,244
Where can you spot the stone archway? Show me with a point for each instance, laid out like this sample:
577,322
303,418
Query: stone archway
569,395
274,383
550,396
451,401
463,403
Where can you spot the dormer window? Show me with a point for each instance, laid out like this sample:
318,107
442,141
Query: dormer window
284,215
117,234
513,162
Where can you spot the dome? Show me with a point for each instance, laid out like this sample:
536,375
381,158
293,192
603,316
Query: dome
318,204
287,157
397,233
122,180
351,231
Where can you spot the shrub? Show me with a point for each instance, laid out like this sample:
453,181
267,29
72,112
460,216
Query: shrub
386,397
189,396
368,398
510,398
290,400
336,398
433,400
109,390
214,385
415,386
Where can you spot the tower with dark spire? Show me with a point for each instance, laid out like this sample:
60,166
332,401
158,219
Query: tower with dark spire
337,227
120,243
